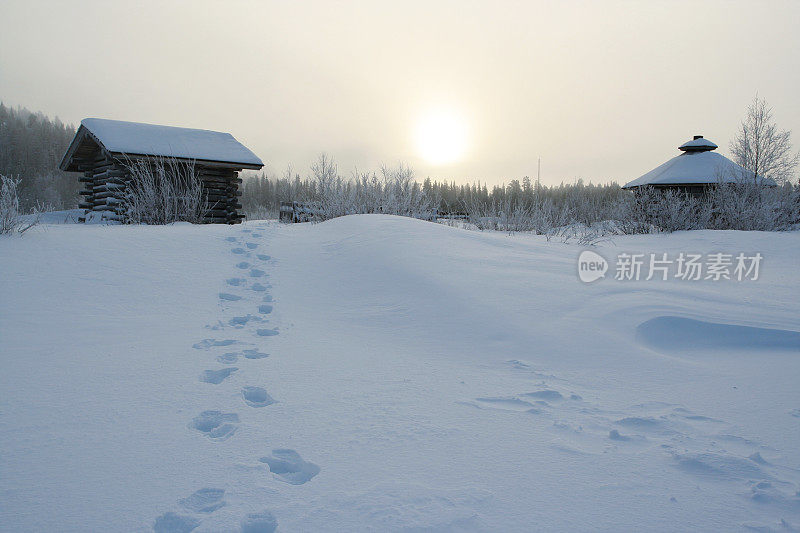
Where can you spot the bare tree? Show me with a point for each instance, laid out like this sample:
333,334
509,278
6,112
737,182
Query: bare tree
761,148
9,205
11,220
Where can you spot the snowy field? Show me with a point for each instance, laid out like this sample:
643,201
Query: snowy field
376,373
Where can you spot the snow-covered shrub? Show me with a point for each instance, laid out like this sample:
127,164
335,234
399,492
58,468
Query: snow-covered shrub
393,191
747,206
579,233
509,216
162,192
260,212
649,210
9,205
540,209
727,206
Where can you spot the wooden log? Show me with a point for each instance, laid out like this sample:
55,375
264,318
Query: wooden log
107,194
214,182
109,201
218,188
109,187
219,197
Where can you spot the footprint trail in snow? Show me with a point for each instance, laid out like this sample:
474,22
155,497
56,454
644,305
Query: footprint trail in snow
247,309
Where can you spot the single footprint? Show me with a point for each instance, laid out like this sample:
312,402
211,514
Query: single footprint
215,424
546,394
263,257
236,282
616,435
243,265
256,235
288,466
205,344
265,309
646,423
216,377
238,251
252,245
268,298
256,397
242,320
266,332
756,458
247,231
175,523
262,522
256,273
228,358
258,287
205,500
231,239
507,404
254,354
229,297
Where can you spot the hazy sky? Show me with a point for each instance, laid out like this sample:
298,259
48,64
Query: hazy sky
600,90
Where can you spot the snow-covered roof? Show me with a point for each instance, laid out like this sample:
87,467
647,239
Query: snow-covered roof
698,144
696,166
133,138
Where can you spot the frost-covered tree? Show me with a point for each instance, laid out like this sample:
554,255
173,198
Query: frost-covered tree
760,147
9,204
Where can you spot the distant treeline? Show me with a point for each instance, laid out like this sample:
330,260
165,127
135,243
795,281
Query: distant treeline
588,209
264,193
31,147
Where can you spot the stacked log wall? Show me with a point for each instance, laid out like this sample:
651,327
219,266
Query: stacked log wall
105,180
221,190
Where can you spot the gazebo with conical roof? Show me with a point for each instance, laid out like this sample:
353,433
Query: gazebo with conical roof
696,169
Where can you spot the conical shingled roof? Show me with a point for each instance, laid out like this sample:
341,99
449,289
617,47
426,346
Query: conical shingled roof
697,165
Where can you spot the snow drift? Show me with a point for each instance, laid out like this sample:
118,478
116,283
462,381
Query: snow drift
383,373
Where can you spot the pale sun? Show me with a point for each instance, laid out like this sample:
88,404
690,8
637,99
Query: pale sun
441,136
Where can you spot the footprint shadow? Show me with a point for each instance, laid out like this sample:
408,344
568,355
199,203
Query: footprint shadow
287,466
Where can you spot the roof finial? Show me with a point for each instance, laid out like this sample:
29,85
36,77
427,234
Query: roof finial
698,144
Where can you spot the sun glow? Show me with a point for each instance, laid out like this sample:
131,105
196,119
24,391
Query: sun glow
441,136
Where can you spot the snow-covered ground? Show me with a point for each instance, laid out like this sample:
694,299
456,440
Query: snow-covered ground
376,373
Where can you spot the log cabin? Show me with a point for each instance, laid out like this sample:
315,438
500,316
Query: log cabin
103,150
